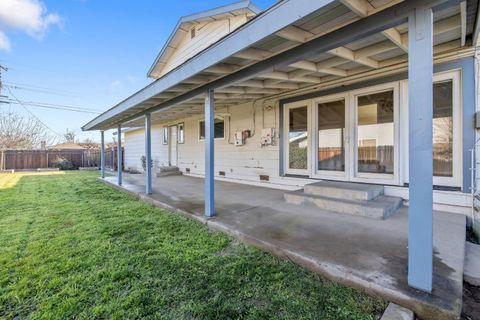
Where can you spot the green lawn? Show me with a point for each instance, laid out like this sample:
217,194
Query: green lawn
74,248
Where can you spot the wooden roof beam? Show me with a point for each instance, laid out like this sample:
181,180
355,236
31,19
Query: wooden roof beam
463,18
297,76
222,69
258,54
253,54
293,33
363,8
312,66
348,54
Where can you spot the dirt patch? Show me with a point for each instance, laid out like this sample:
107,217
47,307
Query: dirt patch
471,302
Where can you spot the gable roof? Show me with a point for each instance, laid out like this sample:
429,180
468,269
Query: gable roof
185,22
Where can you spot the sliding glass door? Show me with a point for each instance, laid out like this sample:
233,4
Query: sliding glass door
376,134
297,125
331,137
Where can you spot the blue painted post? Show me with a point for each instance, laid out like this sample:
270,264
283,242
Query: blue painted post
148,154
102,155
119,154
420,99
209,154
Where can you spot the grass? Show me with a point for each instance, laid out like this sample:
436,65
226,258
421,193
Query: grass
74,248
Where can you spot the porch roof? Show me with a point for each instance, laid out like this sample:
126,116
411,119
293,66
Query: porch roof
294,45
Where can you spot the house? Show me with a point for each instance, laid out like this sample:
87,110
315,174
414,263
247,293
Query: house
368,92
75,146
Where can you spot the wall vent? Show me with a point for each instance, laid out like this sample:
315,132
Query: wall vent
264,177
221,173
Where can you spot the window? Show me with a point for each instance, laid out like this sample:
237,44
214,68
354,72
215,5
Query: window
331,132
375,133
219,129
298,138
165,135
443,128
193,33
181,133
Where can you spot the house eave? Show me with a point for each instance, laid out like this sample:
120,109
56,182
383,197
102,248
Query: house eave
244,4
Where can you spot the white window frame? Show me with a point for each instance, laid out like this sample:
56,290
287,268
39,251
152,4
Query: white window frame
326,174
287,107
456,179
216,118
165,135
380,178
181,128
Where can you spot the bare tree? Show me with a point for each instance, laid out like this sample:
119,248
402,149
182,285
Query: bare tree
19,132
69,136
89,143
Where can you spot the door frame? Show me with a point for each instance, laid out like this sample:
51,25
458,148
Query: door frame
171,143
326,174
457,179
377,178
286,122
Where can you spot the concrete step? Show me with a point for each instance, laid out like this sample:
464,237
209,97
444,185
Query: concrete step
380,208
168,169
344,190
168,173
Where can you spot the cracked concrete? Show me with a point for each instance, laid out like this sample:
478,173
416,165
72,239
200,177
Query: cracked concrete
370,255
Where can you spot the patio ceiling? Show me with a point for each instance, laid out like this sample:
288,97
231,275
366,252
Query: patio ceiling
170,100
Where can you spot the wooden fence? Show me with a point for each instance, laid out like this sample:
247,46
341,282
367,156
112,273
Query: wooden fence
35,159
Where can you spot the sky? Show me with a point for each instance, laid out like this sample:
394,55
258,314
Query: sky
84,53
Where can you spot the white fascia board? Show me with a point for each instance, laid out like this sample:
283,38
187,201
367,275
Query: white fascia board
267,23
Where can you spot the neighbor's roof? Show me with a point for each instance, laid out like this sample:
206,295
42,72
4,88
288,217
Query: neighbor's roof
73,146
185,22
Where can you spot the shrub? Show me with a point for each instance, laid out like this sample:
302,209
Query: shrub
144,163
62,164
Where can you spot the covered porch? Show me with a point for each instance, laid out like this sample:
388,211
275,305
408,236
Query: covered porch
300,47
369,255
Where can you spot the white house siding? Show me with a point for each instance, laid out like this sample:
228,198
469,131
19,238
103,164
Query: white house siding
206,34
245,162
135,148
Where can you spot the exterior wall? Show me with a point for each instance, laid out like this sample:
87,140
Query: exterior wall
134,144
246,163
206,34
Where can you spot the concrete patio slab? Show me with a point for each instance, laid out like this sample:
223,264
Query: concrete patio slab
472,264
367,254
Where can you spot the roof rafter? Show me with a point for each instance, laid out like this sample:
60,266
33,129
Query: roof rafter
296,34
363,8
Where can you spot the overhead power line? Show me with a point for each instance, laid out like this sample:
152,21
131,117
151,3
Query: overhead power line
26,85
39,90
32,114
46,106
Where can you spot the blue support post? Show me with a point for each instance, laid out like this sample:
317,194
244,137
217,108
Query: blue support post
209,154
119,154
102,155
148,154
420,115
